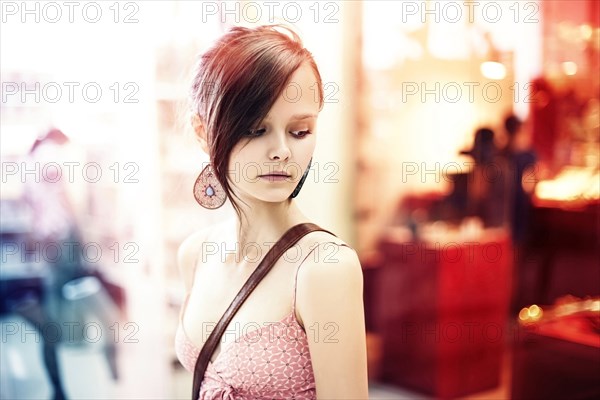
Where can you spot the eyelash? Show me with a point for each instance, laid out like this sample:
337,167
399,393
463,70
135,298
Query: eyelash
253,133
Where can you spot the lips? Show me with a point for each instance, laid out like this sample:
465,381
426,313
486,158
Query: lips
276,176
277,173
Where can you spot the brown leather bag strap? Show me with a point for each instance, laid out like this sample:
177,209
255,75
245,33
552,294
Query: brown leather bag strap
289,238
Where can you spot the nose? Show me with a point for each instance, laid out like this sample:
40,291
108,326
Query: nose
279,148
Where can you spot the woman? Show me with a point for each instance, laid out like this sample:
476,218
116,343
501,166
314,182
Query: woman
301,333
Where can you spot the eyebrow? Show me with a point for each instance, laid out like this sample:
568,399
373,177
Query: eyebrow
297,117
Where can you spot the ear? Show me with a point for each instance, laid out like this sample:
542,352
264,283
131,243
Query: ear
200,130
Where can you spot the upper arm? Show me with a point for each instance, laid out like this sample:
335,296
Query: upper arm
330,303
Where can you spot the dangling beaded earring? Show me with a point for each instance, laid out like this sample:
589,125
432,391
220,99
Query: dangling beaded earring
299,186
208,192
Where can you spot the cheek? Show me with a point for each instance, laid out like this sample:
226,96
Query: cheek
244,161
241,153
307,146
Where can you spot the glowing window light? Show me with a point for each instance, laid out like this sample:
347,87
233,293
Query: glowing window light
493,70
569,68
586,31
572,183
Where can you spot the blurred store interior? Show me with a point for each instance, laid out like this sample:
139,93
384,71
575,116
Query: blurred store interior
458,154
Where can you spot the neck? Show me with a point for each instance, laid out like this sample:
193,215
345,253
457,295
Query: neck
260,226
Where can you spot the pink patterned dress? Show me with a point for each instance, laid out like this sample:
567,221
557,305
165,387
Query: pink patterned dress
270,362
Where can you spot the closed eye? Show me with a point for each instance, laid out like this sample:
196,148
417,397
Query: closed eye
260,132
255,132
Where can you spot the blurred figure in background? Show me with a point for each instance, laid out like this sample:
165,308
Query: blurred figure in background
486,196
53,225
520,162
55,240
55,229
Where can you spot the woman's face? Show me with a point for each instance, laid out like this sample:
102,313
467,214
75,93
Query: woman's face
283,143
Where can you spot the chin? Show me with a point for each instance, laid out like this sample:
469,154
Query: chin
278,199
274,197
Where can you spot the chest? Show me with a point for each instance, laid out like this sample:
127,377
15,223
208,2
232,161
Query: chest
215,287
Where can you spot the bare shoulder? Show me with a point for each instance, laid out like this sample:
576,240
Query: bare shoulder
330,258
322,238
330,274
190,251
187,256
